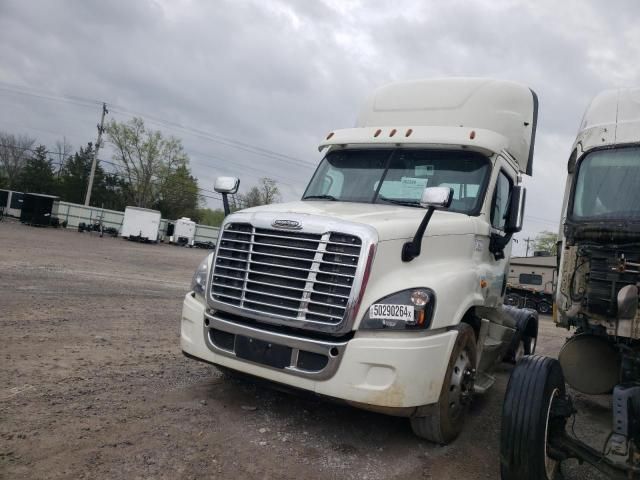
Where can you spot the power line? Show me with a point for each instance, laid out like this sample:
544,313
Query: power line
213,137
79,101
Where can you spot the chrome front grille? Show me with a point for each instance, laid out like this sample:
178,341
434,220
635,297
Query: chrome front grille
290,275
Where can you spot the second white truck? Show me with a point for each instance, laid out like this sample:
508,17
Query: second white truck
383,285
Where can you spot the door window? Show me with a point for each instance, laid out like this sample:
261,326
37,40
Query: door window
500,205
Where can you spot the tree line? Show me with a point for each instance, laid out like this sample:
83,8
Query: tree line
148,170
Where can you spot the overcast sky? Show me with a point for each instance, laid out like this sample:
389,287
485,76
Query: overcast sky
257,84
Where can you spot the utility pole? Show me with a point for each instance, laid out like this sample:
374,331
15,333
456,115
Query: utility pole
87,197
528,241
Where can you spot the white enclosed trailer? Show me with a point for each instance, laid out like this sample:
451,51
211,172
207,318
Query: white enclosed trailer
140,224
184,232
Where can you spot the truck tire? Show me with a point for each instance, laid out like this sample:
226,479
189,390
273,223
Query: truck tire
544,307
512,299
530,303
527,421
443,422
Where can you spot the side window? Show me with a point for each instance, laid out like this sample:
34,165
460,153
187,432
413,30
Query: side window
501,201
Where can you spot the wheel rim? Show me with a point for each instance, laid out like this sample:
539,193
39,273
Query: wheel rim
520,351
461,385
550,465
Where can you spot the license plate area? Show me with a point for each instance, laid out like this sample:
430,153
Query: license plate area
265,353
385,311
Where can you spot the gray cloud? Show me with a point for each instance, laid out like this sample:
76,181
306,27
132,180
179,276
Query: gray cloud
279,75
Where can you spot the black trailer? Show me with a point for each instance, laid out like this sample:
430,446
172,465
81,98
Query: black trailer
36,209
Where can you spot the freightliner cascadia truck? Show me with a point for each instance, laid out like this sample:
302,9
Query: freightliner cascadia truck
383,286
597,299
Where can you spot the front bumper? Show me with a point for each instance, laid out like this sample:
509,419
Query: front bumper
376,369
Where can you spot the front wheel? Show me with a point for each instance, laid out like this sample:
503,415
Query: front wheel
529,420
444,420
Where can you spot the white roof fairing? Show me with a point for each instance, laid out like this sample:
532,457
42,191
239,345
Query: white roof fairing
612,118
445,111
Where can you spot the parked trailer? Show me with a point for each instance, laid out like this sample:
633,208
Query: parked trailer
36,209
184,232
11,201
530,283
140,224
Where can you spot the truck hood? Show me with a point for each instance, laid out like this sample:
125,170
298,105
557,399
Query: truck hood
392,222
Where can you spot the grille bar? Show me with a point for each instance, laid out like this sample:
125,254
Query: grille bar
301,276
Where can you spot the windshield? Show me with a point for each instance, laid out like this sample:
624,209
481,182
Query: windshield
400,176
607,185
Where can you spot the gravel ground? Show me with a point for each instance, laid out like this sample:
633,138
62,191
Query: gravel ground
93,384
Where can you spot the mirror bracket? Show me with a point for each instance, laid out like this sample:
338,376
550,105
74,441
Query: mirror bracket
440,199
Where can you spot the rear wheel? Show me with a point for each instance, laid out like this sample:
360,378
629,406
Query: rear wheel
444,420
529,421
544,307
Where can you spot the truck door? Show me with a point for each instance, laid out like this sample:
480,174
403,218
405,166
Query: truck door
498,262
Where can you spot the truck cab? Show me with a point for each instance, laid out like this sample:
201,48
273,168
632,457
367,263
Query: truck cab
383,286
596,300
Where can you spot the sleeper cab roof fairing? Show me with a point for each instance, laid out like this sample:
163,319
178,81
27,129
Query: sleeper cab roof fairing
481,114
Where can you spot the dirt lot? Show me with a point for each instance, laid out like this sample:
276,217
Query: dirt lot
93,384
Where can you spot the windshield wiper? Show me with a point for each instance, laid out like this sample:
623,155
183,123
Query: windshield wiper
406,203
322,197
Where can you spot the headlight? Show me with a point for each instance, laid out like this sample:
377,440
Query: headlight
410,309
199,281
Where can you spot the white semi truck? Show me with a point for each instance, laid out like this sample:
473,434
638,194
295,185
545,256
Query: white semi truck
597,299
383,285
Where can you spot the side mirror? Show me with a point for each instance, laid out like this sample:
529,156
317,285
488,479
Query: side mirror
227,185
436,197
628,302
515,216
432,199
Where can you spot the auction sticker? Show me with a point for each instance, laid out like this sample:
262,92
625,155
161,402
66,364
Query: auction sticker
391,312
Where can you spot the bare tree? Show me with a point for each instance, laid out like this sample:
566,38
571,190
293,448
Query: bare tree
14,152
145,157
264,193
62,150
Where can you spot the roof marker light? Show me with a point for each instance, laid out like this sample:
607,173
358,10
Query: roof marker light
330,135
472,135
409,132
392,132
378,132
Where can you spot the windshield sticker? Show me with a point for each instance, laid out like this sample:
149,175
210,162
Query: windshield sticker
412,187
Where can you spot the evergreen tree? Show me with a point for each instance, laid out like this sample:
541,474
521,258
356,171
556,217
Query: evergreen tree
109,190
75,175
178,194
37,174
